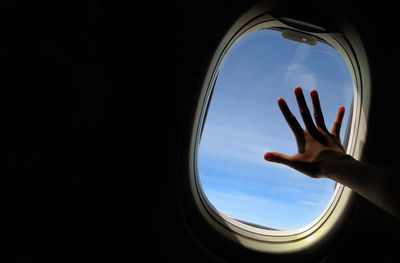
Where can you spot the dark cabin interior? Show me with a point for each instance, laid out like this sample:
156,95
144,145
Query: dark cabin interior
96,101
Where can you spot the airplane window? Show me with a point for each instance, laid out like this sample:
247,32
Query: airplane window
243,122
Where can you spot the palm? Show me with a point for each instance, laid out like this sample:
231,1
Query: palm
315,142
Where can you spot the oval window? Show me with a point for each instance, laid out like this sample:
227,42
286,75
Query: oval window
243,122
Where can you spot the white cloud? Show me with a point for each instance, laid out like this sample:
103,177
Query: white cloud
240,145
312,203
298,75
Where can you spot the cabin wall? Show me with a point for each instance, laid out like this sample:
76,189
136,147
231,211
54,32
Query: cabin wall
97,100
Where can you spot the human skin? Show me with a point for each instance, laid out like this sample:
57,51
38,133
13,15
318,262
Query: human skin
321,155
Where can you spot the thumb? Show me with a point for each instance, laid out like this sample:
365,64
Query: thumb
278,158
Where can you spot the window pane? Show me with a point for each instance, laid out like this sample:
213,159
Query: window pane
244,122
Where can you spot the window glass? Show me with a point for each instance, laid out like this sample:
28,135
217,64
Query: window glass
244,122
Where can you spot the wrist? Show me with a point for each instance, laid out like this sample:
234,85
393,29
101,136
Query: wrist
333,164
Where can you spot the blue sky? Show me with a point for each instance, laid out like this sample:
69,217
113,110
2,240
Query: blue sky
244,122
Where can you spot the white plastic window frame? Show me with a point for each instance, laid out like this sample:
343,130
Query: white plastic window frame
330,220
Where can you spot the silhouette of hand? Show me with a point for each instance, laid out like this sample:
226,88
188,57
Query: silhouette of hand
316,145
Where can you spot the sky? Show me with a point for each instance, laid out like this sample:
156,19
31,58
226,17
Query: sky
244,122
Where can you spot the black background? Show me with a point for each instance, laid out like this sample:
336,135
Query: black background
96,100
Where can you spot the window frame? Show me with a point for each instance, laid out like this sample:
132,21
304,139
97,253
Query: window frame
334,215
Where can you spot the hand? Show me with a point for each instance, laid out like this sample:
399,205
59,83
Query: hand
316,145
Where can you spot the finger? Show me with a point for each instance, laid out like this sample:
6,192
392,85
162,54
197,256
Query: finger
293,124
318,116
305,114
308,168
337,124
277,157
